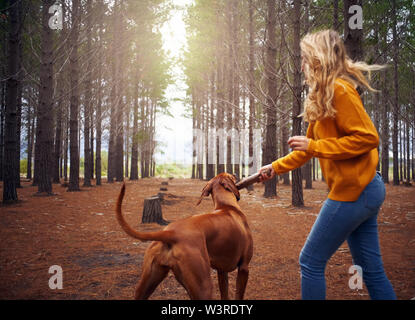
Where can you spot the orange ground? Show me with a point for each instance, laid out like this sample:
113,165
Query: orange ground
79,232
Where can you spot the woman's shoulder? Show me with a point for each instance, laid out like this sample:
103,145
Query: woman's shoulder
346,98
343,86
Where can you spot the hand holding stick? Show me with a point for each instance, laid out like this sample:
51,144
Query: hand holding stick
255,178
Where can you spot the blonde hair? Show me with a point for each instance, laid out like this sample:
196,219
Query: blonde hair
325,59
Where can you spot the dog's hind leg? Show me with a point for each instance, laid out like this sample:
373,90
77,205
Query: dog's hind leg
152,275
192,270
223,285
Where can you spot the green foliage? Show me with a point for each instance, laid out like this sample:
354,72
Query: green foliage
175,170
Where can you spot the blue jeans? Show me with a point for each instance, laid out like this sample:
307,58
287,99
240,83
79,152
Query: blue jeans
355,222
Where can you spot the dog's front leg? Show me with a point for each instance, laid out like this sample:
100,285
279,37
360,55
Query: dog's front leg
223,285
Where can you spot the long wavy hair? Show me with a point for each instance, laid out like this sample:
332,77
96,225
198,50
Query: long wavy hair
325,59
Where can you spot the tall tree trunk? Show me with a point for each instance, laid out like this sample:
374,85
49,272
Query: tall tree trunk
407,138
60,103
211,128
220,157
115,63
19,100
297,186
3,84
119,137
235,100
251,169
199,123
230,78
194,137
142,134
98,121
12,88
58,143
284,145
335,14
74,100
134,142
66,145
127,135
270,72
44,140
385,124
395,98
88,100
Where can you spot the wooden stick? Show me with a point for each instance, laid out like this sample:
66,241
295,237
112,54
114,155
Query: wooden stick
250,180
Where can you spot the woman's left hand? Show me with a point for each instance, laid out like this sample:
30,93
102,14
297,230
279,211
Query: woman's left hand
299,143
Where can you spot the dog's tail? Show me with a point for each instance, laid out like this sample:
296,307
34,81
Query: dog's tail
166,236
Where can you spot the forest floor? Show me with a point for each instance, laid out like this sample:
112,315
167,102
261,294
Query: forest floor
79,232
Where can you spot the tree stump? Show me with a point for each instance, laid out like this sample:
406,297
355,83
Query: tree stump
152,211
164,183
163,189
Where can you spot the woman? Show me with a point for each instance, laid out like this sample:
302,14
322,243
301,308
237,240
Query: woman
342,136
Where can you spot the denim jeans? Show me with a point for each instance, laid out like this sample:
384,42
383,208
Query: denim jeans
355,222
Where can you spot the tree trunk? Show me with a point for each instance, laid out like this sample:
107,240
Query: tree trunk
59,104
134,143
395,98
98,121
235,101
194,137
44,140
335,14
251,169
152,212
127,136
407,138
74,100
2,112
220,159
66,146
115,63
88,101
211,129
297,185
229,117
58,143
270,71
12,86
284,147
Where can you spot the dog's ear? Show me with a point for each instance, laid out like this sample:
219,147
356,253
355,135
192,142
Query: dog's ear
205,192
229,185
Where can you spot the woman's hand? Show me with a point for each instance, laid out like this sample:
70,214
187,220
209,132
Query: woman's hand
267,173
299,143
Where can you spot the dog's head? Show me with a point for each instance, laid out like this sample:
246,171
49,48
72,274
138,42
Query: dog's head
224,180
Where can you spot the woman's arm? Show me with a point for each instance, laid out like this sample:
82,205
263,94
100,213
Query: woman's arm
293,160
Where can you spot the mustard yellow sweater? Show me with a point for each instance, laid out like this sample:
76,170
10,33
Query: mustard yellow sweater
345,145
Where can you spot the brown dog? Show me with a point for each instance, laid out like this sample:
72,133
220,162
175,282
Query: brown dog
220,240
